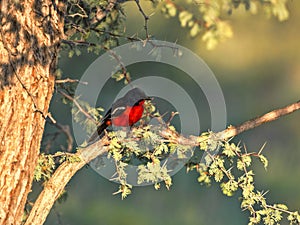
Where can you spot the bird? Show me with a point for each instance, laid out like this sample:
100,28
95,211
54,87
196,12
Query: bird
124,112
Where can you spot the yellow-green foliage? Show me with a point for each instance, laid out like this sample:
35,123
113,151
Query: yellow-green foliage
144,147
47,164
208,18
231,168
44,168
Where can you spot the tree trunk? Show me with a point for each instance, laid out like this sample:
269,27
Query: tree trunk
30,35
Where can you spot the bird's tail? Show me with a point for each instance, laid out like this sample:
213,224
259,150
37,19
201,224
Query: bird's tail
99,133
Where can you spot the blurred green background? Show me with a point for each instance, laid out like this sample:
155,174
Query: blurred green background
258,70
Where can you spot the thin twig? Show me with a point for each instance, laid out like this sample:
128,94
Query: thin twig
129,38
111,52
84,15
49,115
69,80
66,130
279,209
146,18
123,68
77,43
77,105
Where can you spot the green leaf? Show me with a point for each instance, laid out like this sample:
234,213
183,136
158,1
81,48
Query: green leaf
230,149
153,173
44,168
281,206
118,76
184,18
247,160
157,186
264,161
124,189
228,188
71,53
171,10
77,52
219,175
195,30
240,164
203,174
243,162
279,9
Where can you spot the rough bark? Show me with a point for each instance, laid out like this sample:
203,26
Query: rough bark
30,33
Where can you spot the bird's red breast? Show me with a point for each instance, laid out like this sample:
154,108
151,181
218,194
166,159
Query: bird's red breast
129,116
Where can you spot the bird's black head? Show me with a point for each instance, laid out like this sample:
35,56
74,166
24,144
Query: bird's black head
136,95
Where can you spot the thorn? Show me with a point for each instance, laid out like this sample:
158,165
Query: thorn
262,148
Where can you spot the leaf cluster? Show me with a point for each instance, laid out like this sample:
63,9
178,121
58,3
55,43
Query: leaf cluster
47,164
45,167
93,24
96,25
144,148
208,18
232,169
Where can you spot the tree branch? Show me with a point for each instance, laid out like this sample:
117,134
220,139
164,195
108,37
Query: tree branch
232,131
54,187
56,184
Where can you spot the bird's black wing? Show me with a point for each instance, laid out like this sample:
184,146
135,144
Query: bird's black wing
118,107
100,128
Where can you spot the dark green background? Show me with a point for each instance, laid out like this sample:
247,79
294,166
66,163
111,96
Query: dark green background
258,70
